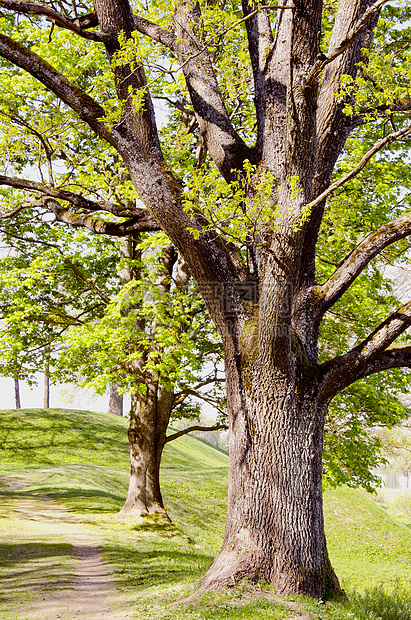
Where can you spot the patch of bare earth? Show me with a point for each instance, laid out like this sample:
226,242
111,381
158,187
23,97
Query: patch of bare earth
88,591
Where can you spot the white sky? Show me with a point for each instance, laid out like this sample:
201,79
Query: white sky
61,396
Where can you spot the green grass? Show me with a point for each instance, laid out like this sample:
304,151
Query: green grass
367,544
80,459
30,563
36,438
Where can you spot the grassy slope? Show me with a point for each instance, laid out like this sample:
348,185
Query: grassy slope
46,451
367,544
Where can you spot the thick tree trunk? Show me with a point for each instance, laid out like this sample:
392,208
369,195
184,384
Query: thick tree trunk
17,393
149,417
115,401
275,527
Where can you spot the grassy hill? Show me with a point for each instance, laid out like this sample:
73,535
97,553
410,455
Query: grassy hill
80,459
33,438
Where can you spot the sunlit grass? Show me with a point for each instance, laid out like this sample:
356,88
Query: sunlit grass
158,564
367,544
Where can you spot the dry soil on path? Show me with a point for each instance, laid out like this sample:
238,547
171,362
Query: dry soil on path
85,591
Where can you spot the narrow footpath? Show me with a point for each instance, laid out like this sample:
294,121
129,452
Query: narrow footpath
88,591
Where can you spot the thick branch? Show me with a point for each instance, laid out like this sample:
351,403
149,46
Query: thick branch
384,335
395,356
144,223
75,199
155,32
333,125
358,259
322,62
260,41
136,214
137,127
365,358
86,108
31,8
217,427
226,148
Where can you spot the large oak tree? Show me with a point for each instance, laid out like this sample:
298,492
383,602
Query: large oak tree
255,263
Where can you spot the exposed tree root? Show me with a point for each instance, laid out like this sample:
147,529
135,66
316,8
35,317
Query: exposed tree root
248,590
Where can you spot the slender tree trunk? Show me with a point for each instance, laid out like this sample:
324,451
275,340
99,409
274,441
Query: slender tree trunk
115,401
46,392
275,527
149,417
17,393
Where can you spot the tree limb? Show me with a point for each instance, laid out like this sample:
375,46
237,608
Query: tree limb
142,223
155,32
392,137
395,356
85,107
345,44
384,335
135,214
75,199
217,427
260,41
374,354
225,146
333,125
350,268
31,8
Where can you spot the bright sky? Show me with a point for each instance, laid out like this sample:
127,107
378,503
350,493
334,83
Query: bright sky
61,396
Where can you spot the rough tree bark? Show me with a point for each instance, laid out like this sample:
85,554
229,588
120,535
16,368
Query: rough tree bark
268,306
115,401
149,417
149,412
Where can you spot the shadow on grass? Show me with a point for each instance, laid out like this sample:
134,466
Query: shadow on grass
11,554
158,527
34,566
77,500
155,567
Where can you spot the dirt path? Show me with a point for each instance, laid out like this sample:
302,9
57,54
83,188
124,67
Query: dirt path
87,592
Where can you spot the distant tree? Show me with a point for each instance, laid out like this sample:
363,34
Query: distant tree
115,401
46,383
154,341
94,317
44,290
396,447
